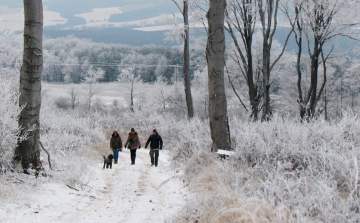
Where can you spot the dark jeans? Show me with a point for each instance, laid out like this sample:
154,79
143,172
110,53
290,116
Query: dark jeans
156,153
133,155
116,154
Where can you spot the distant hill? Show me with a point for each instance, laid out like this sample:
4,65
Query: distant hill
133,37
114,35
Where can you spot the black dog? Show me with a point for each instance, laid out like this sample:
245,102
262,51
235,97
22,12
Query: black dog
108,161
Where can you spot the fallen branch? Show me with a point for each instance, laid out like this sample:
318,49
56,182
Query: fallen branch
42,146
72,187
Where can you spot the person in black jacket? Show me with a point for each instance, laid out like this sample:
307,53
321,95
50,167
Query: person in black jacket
156,143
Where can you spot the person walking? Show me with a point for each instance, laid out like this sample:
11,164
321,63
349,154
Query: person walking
116,145
156,143
133,143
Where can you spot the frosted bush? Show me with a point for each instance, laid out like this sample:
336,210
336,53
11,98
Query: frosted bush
9,130
293,171
69,130
62,102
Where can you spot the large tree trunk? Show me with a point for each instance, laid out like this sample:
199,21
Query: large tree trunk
187,82
215,53
28,151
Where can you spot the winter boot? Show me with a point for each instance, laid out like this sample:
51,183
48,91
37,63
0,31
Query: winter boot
115,161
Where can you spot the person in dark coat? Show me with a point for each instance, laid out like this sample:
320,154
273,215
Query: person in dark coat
116,145
133,143
156,143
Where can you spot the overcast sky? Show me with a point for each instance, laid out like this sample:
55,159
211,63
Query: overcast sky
75,14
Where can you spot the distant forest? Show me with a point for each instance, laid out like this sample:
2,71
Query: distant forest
68,59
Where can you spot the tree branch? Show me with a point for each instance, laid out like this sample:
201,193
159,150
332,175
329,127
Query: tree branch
283,49
237,95
181,11
42,146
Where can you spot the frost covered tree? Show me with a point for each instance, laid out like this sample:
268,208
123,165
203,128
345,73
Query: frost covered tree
241,20
28,151
268,14
215,56
130,76
320,21
293,9
74,96
186,68
92,77
131,68
162,97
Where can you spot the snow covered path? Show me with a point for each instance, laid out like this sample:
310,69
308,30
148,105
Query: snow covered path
126,193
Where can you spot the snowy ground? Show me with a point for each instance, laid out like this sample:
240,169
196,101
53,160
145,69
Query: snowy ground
126,193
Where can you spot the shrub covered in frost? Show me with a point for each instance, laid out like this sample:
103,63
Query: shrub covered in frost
281,171
9,130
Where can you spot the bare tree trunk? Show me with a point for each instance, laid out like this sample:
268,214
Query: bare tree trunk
132,95
266,82
268,18
298,69
242,18
341,94
253,93
314,78
205,108
187,82
353,95
90,97
215,53
298,22
326,101
298,38
28,151
73,95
